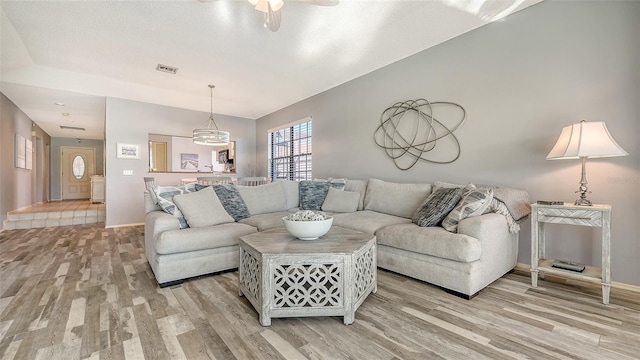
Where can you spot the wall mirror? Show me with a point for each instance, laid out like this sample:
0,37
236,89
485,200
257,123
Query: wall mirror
171,154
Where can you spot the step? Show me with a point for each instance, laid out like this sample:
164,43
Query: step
53,219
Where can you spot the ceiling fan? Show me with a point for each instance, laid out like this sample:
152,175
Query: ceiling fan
271,9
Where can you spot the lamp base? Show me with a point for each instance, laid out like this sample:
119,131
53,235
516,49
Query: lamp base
584,190
583,202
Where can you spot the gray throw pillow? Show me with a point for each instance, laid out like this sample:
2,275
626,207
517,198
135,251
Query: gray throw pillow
230,199
202,208
473,203
436,207
313,193
341,201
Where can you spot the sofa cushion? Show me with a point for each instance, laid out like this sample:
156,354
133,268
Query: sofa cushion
230,199
359,186
433,241
264,198
436,207
292,192
193,239
367,221
341,201
313,193
473,203
165,194
266,221
202,208
394,198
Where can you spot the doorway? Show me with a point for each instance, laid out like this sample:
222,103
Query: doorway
78,164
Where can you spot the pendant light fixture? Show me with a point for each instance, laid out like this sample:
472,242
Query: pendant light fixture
211,135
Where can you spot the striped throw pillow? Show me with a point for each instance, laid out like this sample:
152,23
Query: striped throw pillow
473,203
436,207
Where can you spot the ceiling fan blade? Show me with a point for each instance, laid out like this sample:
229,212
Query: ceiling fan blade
272,19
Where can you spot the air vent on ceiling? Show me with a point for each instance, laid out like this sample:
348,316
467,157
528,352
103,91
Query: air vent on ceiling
167,69
65,127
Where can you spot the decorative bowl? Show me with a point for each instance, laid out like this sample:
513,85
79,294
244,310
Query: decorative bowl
307,230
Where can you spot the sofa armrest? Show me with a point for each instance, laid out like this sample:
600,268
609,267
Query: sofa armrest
485,226
156,222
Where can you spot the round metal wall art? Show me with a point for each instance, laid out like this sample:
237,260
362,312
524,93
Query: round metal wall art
409,132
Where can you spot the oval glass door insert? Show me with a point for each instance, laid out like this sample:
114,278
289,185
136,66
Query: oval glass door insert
78,167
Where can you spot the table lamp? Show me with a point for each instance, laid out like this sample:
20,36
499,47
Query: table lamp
581,141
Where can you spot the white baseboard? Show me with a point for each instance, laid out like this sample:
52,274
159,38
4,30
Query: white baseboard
614,284
122,225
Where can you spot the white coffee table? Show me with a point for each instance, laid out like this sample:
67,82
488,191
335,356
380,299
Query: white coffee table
282,276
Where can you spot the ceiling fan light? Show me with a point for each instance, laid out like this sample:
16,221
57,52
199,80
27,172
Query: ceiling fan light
276,4
262,6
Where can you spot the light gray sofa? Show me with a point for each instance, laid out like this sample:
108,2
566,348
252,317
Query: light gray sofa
482,250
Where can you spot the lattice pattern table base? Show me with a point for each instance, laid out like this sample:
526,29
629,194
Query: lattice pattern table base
331,276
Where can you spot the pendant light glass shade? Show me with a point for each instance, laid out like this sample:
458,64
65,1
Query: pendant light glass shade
211,135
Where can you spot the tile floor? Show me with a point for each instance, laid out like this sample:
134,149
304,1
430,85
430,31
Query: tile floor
55,213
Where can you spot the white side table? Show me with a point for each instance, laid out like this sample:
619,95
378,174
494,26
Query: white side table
596,216
97,189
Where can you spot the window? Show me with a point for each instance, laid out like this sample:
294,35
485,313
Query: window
78,167
290,151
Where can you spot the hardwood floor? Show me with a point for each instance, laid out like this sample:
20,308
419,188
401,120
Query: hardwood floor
83,291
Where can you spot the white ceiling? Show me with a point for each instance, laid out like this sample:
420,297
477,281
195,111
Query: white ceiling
80,52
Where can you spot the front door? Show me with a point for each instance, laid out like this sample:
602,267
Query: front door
78,164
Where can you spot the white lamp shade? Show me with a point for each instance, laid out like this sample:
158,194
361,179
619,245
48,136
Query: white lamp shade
585,139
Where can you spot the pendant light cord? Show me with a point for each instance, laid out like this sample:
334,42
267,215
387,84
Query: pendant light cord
212,120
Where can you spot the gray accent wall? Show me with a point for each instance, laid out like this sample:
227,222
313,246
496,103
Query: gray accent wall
521,80
56,160
130,122
21,187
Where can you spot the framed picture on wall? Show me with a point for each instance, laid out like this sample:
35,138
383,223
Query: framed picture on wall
20,151
189,161
128,151
28,152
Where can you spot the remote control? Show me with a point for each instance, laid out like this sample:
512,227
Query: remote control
545,202
568,265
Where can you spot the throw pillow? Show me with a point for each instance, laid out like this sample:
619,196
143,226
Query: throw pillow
292,192
359,186
202,208
394,198
335,183
436,207
473,203
232,201
441,184
165,195
341,201
264,199
313,193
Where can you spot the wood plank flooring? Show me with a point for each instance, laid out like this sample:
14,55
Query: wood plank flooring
85,292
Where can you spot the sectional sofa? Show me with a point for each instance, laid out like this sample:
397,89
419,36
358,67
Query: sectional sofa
480,250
